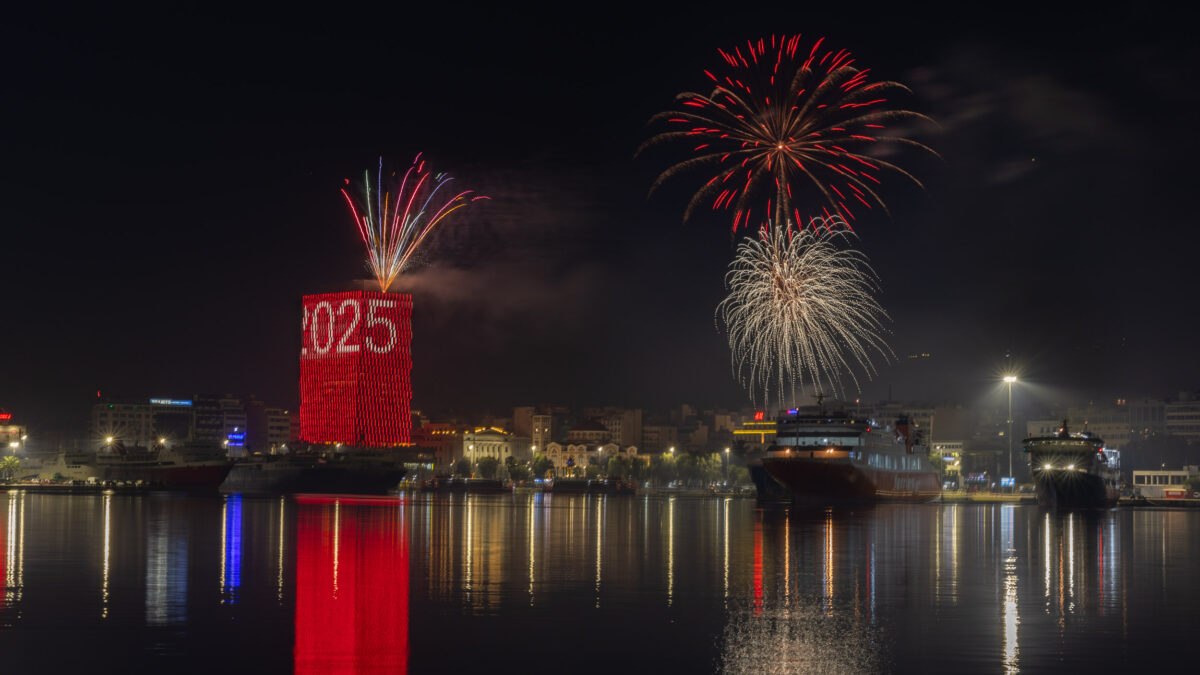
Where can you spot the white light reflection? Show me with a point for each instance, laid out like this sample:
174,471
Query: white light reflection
14,568
1071,561
469,559
1046,535
828,565
1011,618
107,555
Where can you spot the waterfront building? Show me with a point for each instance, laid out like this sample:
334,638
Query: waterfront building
657,438
951,453
589,432
12,436
1164,483
486,442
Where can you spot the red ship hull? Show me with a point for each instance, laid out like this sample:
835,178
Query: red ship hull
813,481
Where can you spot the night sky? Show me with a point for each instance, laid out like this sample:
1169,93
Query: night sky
170,190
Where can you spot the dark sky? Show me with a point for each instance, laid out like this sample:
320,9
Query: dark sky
170,190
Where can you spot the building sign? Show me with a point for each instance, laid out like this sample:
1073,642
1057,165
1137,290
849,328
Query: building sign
355,364
4,417
169,401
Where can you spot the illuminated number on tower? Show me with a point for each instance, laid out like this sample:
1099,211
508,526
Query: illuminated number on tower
316,322
342,347
373,320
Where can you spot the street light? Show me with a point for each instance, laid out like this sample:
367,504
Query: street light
1009,379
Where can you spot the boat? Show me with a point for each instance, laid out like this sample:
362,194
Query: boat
350,471
487,486
1073,470
576,486
821,458
171,466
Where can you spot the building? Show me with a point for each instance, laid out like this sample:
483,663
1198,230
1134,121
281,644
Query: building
1164,483
12,436
355,368
143,422
1181,417
758,432
486,442
951,453
657,438
589,432
1147,417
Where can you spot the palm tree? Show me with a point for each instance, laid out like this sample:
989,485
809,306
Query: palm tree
9,466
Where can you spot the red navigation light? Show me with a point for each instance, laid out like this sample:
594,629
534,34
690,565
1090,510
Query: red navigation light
355,365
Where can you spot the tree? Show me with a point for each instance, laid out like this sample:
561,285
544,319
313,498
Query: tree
487,467
9,467
592,471
463,467
542,466
739,475
618,466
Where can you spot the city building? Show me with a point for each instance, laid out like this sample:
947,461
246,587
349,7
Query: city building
13,436
486,442
1181,417
1147,417
951,454
355,368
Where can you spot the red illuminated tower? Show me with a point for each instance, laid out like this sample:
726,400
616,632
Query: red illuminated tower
355,363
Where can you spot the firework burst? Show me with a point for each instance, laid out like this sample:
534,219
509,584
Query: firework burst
800,310
395,218
779,121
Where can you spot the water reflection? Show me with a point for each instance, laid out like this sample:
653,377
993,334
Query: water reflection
166,571
231,549
14,551
351,586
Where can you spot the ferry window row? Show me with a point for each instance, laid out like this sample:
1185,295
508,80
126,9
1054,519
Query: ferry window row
1158,479
902,462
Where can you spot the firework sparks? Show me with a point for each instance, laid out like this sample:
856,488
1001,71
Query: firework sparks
800,310
394,219
781,120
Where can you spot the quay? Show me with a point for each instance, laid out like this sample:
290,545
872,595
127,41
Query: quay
74,489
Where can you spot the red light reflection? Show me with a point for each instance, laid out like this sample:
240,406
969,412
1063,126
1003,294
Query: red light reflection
351,588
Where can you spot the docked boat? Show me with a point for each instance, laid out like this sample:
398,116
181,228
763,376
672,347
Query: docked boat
484,486
822,458
1073,470
179,466
568,486
354,471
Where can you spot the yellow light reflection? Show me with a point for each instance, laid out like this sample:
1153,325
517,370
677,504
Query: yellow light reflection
670,550
279,559
599,557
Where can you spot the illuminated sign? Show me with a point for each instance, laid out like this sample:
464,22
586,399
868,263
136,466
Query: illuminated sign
4,417
1007,481
758,416
168,401
793,411
355,364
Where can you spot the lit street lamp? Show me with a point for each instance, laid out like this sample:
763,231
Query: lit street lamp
1009,379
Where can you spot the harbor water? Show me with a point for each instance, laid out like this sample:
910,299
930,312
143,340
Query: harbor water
536,582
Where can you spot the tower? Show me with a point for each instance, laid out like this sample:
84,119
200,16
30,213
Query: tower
355,366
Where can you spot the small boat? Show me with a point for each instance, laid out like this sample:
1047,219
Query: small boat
483,486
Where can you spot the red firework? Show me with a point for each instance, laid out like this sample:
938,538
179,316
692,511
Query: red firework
780,121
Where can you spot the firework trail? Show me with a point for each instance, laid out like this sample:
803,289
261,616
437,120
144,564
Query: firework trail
800,310
780,120
394,219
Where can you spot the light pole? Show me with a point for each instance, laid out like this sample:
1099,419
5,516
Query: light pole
726,467
1009,379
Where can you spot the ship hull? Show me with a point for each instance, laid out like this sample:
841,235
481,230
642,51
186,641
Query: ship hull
817,482
302,475
1075,490
192,477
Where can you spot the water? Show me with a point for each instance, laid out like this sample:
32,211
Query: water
113,583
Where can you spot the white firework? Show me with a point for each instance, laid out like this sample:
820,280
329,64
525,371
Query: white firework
801,311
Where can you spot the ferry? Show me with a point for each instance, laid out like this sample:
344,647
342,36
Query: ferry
184,465
821,458
1073,470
